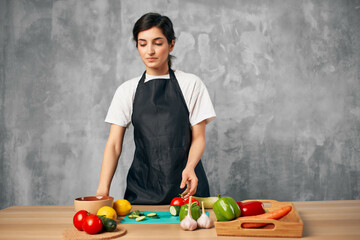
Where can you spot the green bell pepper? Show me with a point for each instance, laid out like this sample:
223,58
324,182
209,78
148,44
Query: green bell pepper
226,209
195,211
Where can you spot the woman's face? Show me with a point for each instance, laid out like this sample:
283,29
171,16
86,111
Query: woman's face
154,50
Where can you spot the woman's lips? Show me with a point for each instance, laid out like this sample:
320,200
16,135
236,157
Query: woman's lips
151,59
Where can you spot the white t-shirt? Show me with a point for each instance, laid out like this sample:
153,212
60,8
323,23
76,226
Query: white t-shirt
193,89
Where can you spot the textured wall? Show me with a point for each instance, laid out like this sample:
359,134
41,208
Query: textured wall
283,77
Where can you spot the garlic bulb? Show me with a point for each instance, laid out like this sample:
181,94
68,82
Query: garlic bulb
188,223
204,221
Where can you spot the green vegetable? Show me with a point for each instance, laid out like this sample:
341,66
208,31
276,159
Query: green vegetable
137,212
226,209
153,214
109,225
140,218
208,201
174,210
195,211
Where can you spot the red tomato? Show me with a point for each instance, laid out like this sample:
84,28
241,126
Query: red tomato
177,201
251,208
92,224
79,219
192,200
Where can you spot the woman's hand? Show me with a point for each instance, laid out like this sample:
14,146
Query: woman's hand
189,180
102,192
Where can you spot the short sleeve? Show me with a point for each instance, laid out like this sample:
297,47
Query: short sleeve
201,107
120,109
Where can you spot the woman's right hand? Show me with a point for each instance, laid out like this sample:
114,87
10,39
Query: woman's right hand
110,159
102,192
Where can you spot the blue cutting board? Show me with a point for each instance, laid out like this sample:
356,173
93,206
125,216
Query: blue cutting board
165,217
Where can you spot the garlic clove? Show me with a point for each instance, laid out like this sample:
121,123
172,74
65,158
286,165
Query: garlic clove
188,223
204,221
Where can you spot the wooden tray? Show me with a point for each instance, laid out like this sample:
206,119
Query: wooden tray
290,225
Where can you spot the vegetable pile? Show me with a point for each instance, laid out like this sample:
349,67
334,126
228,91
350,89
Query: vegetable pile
92,224
193,220
225,209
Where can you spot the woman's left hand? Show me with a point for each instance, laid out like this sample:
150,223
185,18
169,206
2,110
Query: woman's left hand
189,180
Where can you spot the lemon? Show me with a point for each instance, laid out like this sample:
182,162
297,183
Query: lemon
109,212
122,207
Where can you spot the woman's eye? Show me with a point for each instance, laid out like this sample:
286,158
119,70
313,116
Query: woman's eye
158,44
142,45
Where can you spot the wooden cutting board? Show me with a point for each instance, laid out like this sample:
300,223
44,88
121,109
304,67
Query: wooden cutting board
74,234
290,225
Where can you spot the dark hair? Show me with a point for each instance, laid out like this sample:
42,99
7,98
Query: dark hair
150,20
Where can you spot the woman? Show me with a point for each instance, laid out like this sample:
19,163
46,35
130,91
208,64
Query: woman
169,110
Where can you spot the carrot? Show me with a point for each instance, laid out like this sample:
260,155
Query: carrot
275,214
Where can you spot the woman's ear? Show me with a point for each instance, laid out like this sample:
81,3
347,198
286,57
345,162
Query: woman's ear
172,45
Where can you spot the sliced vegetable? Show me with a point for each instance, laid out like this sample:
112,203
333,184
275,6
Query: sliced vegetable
141,218
226,209
153,214
174,210
136,212
275,214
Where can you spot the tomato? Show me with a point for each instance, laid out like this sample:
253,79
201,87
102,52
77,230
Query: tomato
79,219
251,208
177,201
92,224
192,200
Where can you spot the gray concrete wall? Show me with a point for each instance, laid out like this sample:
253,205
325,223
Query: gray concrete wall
283,77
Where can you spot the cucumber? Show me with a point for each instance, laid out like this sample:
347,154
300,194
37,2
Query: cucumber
208,201
141,218
109,225
137,212
153,214
174,210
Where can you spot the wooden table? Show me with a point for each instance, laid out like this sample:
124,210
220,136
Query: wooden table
322,220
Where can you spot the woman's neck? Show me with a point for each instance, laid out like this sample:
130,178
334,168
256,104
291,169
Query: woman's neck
158,71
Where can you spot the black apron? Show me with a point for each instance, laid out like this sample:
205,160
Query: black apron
162,134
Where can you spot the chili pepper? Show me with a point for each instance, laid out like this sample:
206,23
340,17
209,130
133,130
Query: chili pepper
226,209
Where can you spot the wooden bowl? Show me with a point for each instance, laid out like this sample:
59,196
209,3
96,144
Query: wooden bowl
92,203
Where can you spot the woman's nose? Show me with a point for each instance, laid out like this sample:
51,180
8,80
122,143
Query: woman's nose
150,49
